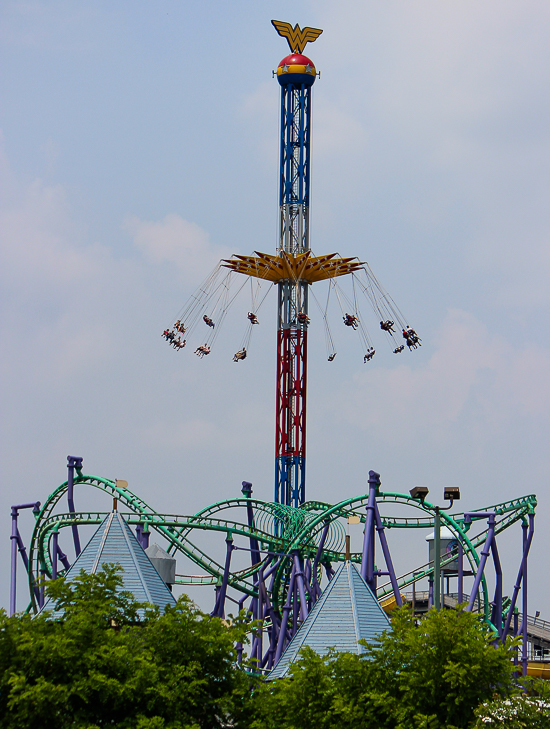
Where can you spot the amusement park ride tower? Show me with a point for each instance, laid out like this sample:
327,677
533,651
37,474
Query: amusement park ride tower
294,269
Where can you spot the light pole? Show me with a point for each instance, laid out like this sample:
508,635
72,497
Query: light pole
452,494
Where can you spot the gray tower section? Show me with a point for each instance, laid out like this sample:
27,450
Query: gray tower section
164,564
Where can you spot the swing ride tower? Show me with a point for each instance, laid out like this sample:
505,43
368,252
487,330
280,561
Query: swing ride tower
293,269
296,75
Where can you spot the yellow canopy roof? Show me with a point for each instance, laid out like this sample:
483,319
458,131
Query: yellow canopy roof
286,266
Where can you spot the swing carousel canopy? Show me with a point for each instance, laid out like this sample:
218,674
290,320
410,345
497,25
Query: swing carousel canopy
289,267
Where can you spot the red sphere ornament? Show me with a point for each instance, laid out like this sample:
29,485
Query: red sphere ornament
296,69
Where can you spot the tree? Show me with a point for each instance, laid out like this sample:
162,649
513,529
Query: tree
108,660
431,675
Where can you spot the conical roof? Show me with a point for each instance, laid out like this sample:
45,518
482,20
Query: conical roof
115,542
346,612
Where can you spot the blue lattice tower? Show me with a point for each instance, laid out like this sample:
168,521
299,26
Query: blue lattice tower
296,74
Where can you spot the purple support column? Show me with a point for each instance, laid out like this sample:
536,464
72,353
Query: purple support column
305,566
484,554
430,592
214,611
387,557
17,542
41,590
23,552
223,591
309,589
254,547
13,581
367,561
72,463
272,569
260,637
267,602
63,558
300,582
284,621
516,628
240,645
315,581
142,534
496,615
524,603
525,553
55,548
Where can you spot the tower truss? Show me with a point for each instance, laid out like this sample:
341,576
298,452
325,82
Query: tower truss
292,315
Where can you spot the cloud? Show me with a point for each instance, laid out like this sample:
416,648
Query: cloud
41,240
176,241
472,375
337,130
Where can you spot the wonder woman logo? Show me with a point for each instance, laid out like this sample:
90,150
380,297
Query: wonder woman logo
297,37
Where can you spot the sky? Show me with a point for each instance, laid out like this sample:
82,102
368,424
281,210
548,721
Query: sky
140,146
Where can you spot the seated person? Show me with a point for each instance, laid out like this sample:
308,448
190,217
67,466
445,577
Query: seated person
350,320
241,354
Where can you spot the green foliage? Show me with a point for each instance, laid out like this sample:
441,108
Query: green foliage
105,659
103,664
431,675
444,667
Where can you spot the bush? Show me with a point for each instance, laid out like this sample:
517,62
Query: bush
430,675
175,670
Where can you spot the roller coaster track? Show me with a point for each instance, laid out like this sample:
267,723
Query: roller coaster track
279,530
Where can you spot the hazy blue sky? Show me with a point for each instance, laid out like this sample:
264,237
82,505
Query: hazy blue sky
140,146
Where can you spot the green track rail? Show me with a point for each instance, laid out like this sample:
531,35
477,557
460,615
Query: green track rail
278,529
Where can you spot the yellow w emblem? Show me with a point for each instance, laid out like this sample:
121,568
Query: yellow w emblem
296,37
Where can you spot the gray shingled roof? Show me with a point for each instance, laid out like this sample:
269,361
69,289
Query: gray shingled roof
115,542
346,612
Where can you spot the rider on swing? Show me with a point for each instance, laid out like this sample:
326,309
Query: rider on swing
412,338
241,354
202,350
350,320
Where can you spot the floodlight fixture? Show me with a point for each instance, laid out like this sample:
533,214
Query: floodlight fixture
419,492
451,493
